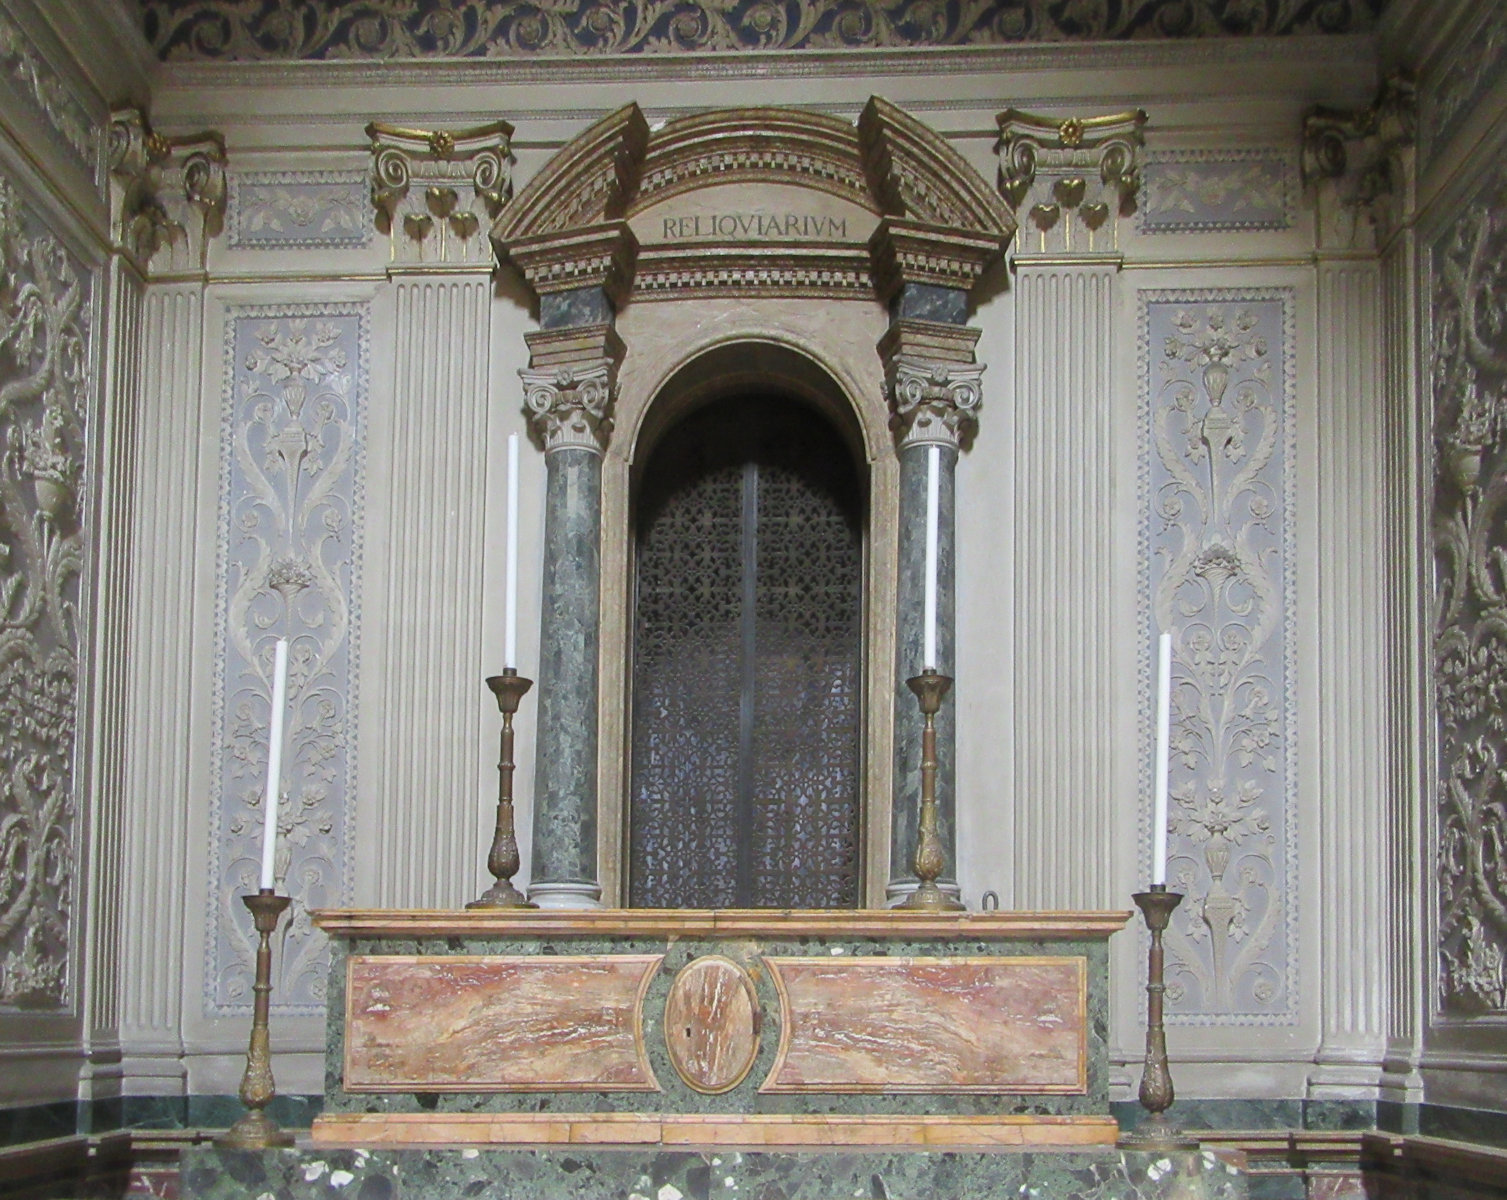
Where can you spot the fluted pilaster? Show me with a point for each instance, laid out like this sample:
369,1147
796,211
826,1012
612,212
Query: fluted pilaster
432,833
1352,746
110,747
1063,771
1406,639
159,791
1358,166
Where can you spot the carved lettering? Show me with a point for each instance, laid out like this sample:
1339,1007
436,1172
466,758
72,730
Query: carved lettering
752,226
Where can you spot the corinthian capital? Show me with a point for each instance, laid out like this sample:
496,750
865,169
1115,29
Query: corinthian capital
571,407
1358,162
1070,180
933,401
167,193
436,192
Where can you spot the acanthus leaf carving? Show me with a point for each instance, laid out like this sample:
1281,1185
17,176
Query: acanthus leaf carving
167,194
1219,422
1077,172
437,192
291,517
1469,382
44,406
1357,163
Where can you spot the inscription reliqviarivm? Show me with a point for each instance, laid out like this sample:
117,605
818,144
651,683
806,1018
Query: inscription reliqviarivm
755,225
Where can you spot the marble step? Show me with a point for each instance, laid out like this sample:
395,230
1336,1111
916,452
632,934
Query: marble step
705,1131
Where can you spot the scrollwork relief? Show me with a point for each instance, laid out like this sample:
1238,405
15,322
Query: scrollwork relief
1469,380
1217,368
289,566
45,298
1198,190
261,29
287,209
35,79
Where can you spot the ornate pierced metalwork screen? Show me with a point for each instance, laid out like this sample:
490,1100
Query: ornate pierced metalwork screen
744,781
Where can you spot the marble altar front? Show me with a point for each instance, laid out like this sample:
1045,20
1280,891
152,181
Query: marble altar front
727,1029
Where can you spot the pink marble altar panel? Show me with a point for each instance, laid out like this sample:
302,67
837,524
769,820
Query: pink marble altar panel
497,1023
712,1024
931,1025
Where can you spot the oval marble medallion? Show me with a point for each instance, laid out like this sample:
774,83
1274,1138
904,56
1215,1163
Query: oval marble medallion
712,1024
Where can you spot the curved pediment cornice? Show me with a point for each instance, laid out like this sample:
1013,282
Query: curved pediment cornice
915,174
754,145
939,222
591,181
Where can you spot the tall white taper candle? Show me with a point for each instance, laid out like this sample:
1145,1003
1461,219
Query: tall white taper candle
274,759
1163,737
510,590
929,609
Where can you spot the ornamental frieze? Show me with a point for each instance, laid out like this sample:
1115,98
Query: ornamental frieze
246,30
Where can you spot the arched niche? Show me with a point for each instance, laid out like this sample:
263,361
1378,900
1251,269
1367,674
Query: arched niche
773,244
745,678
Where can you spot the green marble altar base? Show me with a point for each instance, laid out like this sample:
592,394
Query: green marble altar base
209,1173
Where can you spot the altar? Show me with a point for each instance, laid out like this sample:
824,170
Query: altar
691,1055
717,1028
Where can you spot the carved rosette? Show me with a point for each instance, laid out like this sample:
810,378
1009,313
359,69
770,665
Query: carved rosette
1070,181
167,193
571,407
1358,164
436,192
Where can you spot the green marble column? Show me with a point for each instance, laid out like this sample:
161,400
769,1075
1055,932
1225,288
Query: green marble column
933,404
569,407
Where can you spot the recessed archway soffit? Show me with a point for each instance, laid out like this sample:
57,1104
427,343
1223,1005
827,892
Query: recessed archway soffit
811,205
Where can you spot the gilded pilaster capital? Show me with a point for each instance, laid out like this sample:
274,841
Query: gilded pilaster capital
167,193
1358,164
437,191
1070,180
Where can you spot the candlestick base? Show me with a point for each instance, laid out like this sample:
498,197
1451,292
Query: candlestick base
256,1130
929,686
502,860
1156,1092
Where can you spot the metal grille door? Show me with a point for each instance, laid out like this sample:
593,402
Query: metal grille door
746,681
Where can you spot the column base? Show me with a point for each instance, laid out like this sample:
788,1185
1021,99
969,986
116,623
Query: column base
565,896
898,891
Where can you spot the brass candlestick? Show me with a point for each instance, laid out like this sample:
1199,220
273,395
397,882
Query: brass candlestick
256,1130
1156,1093
502,859
929,687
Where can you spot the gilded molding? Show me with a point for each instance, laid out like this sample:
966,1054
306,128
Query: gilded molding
1073,172
570,385
1358,163
436,191
167,193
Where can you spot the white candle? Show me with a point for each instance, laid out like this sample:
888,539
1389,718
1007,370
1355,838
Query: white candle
510,589
1163,747
274,759
929,609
